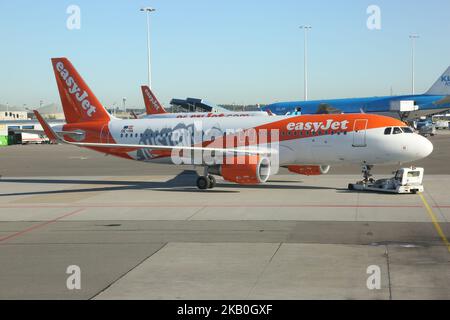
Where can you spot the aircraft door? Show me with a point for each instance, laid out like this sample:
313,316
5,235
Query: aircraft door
359,133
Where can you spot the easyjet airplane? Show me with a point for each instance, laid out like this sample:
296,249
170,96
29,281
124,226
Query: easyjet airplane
305,144
154,109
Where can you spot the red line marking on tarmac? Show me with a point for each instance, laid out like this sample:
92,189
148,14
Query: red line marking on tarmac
39,226
86,206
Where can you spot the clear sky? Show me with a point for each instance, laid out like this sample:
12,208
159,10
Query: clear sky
227,51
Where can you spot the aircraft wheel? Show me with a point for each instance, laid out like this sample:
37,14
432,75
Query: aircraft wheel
212,182
203,183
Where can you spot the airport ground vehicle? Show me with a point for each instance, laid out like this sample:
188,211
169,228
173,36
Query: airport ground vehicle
405,180
426,128
243,150
442,124
29,138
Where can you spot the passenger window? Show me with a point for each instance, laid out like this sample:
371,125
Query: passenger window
388,131
126,136
397,130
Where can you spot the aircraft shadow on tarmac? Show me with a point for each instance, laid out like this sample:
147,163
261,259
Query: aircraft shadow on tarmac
184,182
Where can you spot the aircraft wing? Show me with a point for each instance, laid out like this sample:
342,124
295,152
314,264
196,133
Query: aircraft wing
52,135
248,151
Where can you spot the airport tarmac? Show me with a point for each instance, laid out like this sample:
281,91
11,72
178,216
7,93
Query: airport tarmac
66,160
147,233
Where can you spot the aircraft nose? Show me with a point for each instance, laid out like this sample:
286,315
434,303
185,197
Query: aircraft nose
424,147
427,147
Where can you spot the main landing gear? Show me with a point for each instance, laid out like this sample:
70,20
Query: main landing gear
206,181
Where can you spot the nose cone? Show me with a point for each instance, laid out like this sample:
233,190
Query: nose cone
423,147
427,148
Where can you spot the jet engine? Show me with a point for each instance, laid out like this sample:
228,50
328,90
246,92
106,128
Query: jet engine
248,170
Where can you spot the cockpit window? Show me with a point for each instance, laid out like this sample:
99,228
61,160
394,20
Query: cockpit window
388,131
407,130
397,130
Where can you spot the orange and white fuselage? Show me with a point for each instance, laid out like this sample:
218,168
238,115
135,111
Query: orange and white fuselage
301,141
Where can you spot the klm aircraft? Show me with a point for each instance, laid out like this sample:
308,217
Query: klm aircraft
408,107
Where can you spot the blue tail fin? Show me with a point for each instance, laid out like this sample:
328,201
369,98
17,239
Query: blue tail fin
441,86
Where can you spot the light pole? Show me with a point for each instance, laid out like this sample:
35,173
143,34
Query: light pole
148,10
413,38
306,29
124,100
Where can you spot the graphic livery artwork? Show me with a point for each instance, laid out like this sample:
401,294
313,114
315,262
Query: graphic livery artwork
75,89
180,135
316,126
127,129
213,115
446,80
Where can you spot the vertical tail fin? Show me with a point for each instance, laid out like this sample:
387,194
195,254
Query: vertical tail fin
152,105
78,101
442,86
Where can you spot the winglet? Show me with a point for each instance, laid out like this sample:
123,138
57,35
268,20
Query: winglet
47,129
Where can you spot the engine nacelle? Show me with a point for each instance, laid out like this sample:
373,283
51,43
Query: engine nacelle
309,170
244,170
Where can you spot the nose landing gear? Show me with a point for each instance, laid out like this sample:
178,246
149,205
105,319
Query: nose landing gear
367,178
367,175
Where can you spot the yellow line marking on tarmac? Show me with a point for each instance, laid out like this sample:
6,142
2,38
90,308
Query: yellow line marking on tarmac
435,222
